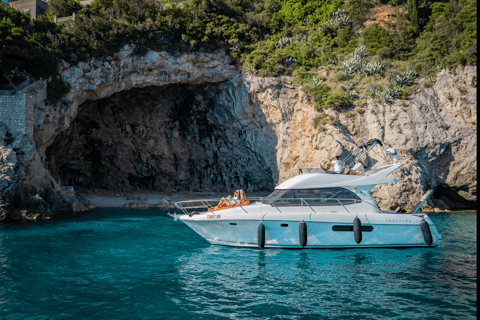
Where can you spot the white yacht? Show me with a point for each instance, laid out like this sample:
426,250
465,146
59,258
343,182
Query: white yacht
316,209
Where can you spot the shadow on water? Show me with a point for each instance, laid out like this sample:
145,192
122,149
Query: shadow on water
137,264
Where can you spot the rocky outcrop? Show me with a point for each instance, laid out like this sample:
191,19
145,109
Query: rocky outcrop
23,173
98,79
434,132
195,122
27,190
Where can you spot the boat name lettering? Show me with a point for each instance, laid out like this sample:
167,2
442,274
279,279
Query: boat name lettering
214,216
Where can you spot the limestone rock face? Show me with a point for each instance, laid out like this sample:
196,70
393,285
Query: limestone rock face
23,175
195,122
124,71
434,133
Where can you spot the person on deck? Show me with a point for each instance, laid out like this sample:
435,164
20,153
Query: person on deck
337,165
358,167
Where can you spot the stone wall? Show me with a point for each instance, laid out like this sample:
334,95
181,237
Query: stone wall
12,112
17,110
34,7
86,2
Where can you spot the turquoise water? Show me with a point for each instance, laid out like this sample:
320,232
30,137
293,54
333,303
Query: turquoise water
140,264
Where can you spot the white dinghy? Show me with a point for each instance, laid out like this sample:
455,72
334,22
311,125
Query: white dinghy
315,209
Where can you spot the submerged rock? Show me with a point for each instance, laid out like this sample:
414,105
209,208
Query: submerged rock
37,208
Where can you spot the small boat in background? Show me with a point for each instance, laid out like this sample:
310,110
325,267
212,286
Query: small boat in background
316,209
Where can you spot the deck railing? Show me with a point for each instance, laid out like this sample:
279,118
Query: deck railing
202,205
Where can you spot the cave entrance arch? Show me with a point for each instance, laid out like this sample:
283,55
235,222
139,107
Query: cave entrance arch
171,138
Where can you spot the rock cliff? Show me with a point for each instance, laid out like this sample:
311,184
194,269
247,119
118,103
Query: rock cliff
434,133
195,122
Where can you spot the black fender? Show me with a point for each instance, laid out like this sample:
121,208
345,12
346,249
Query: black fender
357,230
427,234
261,235
302,233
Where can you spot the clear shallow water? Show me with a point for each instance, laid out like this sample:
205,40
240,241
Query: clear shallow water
140,264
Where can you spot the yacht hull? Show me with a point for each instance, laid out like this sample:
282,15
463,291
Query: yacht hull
406,232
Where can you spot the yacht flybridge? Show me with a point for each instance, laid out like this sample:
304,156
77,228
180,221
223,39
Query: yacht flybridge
315,209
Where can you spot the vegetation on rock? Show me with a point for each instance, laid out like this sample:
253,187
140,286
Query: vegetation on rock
306,39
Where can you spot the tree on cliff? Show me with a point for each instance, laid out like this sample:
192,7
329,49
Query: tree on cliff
62,8
14,40
412,8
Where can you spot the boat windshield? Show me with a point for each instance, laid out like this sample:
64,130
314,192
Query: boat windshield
313,197
276,194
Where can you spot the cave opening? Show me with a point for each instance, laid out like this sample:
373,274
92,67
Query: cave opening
179,137
452,197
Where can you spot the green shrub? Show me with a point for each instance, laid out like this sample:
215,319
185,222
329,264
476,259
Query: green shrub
404,78
349,114
322,120
321,129
319,123
62,8
407,91
449,38
462,91
269,38
473,81
56,89
337,100
294,12
301,76
377,38
360,111
430,81
318,94
450,97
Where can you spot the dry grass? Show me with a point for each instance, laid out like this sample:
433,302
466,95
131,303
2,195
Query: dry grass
381,14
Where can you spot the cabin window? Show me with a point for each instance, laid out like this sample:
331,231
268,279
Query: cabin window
314,197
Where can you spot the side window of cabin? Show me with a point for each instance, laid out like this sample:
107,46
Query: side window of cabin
318,197
336,197
289,198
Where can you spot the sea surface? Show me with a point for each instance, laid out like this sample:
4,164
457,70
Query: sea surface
141,264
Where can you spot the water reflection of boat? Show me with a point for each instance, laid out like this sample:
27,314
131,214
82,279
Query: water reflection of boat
316,209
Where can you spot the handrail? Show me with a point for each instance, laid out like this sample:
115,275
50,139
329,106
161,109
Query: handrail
206,204
376,170
342,205
235,200
274,204
308,205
